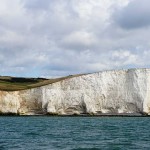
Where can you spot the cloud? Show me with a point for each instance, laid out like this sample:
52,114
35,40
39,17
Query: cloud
135,15
57,38
79,40
37,4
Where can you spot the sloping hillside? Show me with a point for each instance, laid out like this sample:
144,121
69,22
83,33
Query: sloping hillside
8,83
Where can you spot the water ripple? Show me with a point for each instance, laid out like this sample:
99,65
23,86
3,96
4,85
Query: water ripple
77,133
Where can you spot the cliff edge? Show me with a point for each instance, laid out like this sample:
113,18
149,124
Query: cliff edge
106,92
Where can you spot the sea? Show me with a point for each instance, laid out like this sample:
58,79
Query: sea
74,133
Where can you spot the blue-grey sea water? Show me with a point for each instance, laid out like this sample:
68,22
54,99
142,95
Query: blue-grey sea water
74,133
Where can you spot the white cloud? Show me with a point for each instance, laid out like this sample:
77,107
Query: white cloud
57,38
125,57
79,40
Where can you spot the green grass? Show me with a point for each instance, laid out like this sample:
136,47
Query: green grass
15,84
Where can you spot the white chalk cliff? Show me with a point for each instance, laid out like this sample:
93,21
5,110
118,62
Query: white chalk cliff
120,91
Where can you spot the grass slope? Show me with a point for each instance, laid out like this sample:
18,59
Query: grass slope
15,84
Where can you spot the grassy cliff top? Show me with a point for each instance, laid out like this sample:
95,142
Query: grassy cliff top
8,83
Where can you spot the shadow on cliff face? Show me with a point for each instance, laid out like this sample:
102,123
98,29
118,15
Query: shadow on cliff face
9,114
30,107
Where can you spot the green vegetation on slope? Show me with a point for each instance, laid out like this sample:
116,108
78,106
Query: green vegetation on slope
14,83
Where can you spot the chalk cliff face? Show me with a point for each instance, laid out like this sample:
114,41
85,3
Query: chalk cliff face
121,91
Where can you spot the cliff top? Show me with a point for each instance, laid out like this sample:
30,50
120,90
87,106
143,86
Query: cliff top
8,83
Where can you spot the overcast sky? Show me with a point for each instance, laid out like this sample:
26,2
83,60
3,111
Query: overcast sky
50,38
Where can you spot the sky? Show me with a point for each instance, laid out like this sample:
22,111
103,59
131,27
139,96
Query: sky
52,38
